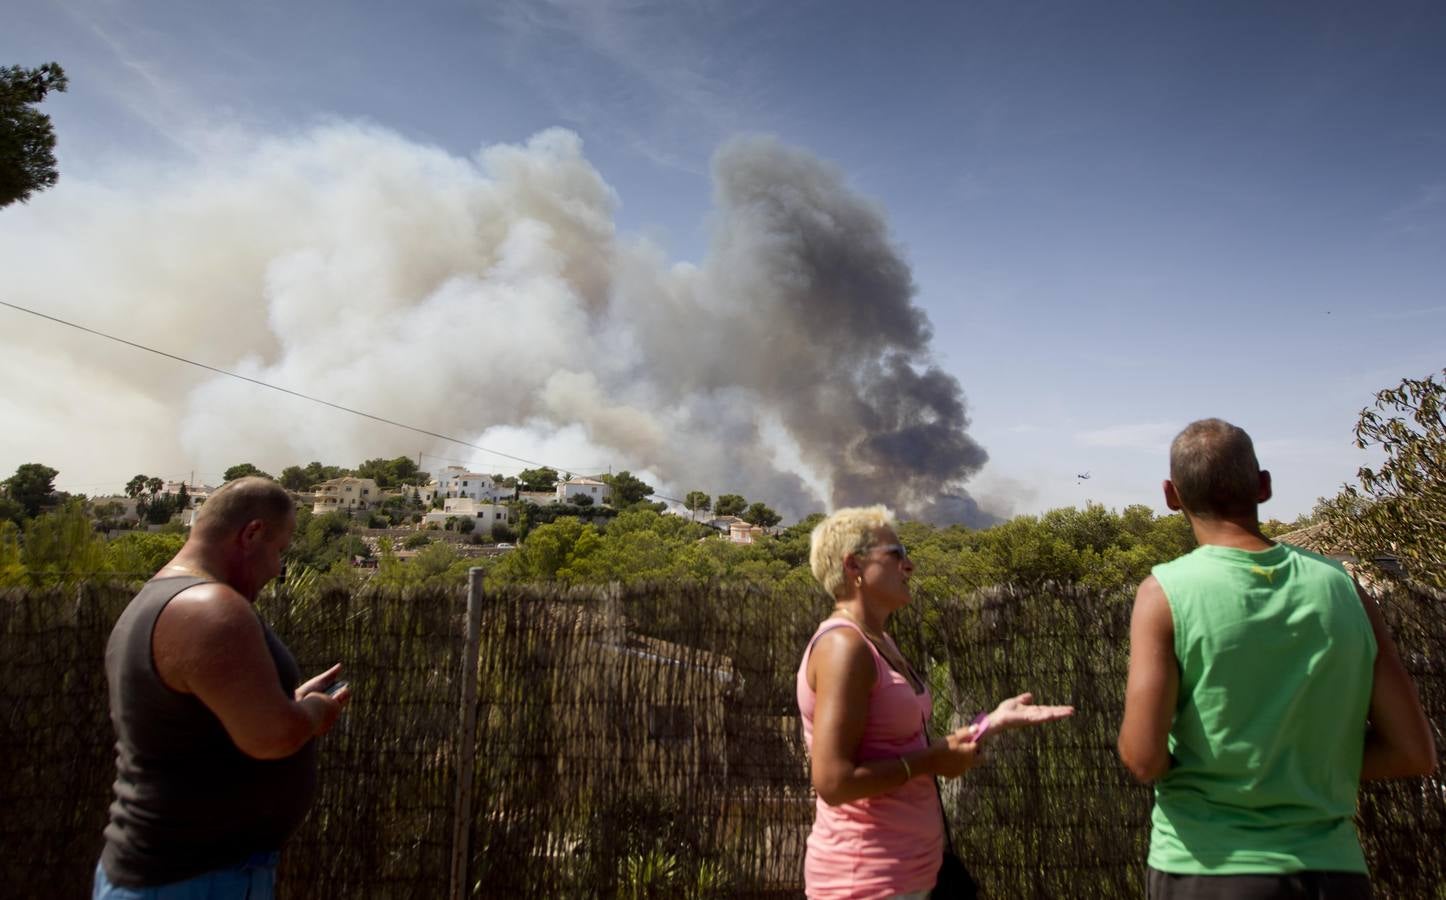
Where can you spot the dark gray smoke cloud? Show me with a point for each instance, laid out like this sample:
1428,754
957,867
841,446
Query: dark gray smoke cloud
844,353
489,298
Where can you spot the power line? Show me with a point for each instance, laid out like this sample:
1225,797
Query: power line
200,365
259,383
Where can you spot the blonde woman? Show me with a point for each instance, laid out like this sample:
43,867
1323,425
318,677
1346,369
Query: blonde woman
878,829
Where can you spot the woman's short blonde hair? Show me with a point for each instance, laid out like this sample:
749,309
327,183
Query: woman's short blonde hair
849,530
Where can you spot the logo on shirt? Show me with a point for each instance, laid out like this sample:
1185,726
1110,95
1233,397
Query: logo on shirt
1267,574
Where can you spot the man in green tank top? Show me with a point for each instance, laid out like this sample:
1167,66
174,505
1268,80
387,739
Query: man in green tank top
1263,688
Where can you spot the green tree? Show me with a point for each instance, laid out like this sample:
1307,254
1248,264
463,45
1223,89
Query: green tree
32,486
503,533
760,514
730,505
405,471
390,473
62,546
582,500
548,550
293,478
242,470
12,565
696,502
323,541
159,509
627,489
791,544
27,139
108,515
1094,527
317,473
140,554
1400,508
378,470
136,487
11,511
541,479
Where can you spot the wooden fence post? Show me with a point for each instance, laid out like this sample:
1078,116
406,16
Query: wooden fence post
467,739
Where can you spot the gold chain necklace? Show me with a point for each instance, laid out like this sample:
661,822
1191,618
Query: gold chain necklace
876,637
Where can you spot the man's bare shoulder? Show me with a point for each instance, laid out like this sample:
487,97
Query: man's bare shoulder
210,604
1150,591
202,626
1152,608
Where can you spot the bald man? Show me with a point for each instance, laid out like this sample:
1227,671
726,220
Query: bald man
1263,688
215,757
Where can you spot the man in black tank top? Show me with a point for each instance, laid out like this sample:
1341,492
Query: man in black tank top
215,758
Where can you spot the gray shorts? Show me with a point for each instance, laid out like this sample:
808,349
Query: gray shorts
1309,885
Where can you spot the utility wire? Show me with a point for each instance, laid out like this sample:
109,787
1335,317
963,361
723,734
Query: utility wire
338,406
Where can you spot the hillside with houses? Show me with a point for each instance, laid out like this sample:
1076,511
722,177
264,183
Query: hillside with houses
452,499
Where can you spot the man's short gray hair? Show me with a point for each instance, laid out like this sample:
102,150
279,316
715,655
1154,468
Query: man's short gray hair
1214,469
236,503
849,530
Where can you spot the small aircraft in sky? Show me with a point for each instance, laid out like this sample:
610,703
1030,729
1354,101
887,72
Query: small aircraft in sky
1083,477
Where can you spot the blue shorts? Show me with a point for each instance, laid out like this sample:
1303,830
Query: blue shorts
254,879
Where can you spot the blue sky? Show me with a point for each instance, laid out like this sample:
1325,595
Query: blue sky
1120,216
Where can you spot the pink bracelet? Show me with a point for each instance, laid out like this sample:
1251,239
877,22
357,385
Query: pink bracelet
978,726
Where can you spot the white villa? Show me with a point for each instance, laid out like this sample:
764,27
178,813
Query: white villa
456,481
197,492
484,513
346,494
568,491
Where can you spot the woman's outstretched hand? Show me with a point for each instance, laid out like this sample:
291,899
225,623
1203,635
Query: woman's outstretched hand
1020,712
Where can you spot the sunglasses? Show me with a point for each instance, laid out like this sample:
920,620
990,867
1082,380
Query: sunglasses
895,550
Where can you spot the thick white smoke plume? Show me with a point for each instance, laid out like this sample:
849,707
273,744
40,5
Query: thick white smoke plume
491,299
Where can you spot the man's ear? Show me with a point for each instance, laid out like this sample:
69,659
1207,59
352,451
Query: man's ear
1265,488
253,532
1172,496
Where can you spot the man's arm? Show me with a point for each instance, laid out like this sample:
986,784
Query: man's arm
208,642
1153,685
1399,743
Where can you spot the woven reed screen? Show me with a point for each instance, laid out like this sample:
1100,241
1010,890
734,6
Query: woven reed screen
643,742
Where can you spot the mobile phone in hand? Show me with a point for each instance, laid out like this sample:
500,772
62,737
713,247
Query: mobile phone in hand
334,688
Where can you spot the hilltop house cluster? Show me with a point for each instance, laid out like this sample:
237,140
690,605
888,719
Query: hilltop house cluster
464,495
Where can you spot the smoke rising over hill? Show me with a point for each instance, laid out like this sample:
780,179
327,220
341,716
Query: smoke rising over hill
488,298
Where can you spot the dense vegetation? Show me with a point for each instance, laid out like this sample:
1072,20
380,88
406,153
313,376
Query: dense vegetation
1397,511
1093,546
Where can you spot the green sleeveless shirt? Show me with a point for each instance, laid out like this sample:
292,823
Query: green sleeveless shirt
1276,656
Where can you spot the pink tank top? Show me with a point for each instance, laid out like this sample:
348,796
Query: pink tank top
891,843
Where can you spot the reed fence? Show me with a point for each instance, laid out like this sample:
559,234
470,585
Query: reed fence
640,742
